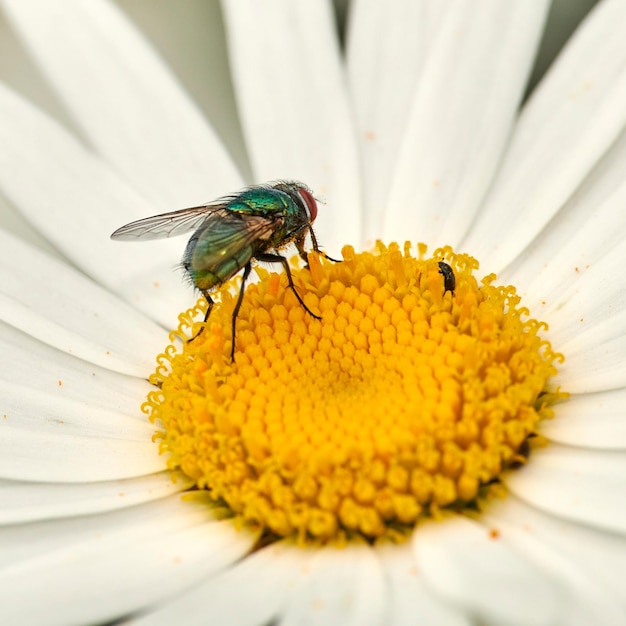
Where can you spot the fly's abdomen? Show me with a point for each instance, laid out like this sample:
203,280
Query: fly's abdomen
204,280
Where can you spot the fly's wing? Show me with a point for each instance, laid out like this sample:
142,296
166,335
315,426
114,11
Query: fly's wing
166,224
225,232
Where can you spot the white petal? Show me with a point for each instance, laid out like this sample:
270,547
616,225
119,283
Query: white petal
591,222
29,363
77,202
251,593
339,586
570,122
192,41
463,563
96,568
586,486
593,420
386,48
568,279
588,564
56,304
69,441
589,327
67,420
464,106
410,600
126,101
294,107
28,502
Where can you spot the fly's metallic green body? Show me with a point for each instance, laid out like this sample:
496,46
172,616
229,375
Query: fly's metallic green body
232,231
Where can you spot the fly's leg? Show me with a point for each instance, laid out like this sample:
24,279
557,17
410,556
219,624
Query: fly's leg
246,273
302,252
330,258
209,308
276,258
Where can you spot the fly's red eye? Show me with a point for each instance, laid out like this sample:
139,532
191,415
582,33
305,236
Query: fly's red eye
309,203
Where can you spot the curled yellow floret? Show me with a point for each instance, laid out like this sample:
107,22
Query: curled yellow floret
405,400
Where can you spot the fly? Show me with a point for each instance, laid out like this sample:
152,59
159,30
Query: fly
231,232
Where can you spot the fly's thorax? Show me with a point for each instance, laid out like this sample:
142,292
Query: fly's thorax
262,201
286,231
288,207
292,225
293,202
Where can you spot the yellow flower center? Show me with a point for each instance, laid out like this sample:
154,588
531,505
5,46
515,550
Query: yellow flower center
405,400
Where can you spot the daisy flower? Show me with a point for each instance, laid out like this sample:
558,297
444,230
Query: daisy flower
444,446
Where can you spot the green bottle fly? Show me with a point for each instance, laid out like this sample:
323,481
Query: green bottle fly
231,232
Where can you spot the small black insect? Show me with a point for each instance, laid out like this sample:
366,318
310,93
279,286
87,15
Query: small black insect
449,279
